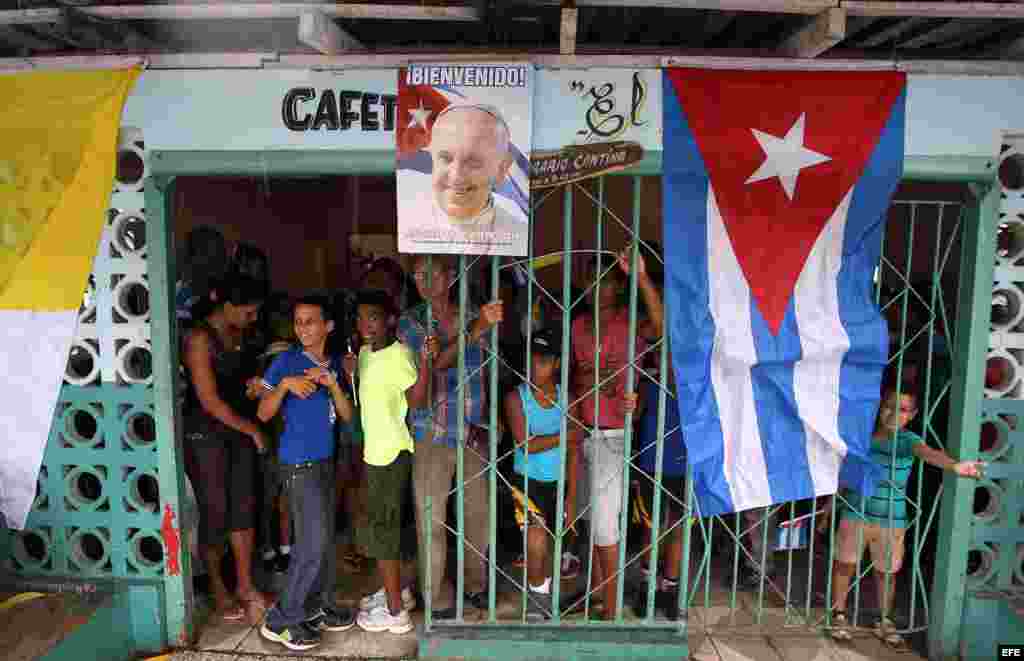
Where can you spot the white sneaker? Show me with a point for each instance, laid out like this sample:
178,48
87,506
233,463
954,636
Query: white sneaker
381,619
379,598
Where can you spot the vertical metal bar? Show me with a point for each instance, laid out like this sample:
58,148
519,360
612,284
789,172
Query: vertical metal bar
737,549
688,512
810,563
929,409
706,561
908,292
975,297
563,402
596,319
177,589
492,515
764,560
426,564
658,474
429,275
529,376
881,262
831,564
428,598
789,557
627,439
460,450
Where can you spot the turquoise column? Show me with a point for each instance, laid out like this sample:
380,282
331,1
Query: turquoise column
972,332
177,584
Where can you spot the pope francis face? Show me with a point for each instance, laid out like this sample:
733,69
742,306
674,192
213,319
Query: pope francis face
470,152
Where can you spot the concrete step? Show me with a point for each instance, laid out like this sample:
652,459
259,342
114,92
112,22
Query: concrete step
236,656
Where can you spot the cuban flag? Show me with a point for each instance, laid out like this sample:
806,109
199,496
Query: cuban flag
776,186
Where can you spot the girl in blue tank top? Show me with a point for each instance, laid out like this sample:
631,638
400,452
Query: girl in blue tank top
534,413
540,421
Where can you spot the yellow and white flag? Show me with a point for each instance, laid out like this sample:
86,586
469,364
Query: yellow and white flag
58,150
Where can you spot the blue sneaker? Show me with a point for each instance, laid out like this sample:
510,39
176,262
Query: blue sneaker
331,619
298,637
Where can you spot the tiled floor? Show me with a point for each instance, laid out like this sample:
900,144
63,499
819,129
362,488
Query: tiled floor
717,631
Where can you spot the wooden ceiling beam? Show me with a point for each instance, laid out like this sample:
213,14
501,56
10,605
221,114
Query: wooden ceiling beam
934,9
568,29
820,34
241,11
813,7
319,31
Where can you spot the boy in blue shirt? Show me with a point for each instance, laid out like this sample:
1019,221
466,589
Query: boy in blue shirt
303,384
880,521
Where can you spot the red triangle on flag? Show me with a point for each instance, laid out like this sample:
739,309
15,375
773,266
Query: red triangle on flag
842,115
412,135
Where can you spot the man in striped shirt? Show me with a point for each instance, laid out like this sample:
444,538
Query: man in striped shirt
436,429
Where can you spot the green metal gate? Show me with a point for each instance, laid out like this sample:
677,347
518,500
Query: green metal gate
926,286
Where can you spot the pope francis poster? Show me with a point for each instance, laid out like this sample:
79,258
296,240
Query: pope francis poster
463,135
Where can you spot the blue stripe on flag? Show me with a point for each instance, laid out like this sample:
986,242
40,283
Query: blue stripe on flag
783,440
692,331
860,375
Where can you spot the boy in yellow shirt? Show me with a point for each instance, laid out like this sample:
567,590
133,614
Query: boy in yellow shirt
388,385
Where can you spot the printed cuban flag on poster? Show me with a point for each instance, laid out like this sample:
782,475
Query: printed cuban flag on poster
776,186
463,136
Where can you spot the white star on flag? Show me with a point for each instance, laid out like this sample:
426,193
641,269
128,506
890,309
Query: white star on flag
785,157
419,116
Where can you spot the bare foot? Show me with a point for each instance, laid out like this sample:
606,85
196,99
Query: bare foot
255,604
226,609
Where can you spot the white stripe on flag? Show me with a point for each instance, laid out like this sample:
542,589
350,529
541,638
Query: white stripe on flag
824,344
731,359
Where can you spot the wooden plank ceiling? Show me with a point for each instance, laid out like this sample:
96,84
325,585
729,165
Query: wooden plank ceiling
847,29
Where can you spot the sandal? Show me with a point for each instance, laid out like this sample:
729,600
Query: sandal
229,612
885,630
256,606
840,627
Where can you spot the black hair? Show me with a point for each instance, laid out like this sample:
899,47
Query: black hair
906,385
278,316
205,243
205,261
251,261
236,289
377,298
316,300
386,265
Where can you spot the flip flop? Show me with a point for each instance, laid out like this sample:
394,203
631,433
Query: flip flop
896,642
233,613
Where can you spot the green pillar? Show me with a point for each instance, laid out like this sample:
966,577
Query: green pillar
177,592
972,333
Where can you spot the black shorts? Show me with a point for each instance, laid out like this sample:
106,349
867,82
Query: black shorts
543,502
673,496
